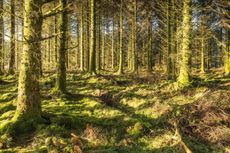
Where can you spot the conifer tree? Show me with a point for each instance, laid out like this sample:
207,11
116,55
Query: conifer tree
183,78
61,73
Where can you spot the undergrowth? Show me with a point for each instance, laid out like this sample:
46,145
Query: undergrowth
124,114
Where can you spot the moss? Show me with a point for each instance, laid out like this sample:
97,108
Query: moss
49,82
65,121
136,129
20,124
53,130
137,123
7,97
7,115
6,107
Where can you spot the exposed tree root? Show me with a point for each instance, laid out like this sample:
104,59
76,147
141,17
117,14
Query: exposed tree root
179,141
20,124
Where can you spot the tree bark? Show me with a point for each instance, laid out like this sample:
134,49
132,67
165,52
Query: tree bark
82,39
183,78
29,106
1,37
61,73
121,56
227,53
92,65
12,39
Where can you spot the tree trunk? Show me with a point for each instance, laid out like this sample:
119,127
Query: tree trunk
112,47
170,58
202,53
87,49
29,106
134,38
56,38
1,37
227,53
12,39
61,73
99,44
82,39
149,49
92,65
183,78
103,44
121,56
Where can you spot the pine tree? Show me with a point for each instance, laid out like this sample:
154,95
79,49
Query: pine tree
61,73
1,37
183,78
12,39
28,109
92,64
121,56
227,52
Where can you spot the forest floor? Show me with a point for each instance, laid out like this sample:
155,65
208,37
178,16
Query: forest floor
125,114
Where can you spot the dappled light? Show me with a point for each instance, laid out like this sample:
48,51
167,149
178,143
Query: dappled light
114,76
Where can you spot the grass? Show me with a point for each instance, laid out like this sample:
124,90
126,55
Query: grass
111,114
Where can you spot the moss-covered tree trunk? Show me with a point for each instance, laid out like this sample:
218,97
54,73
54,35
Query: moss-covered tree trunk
202,59
227,52
28,105
92,64
12,38
1,37
61,72
183,78
121,56
202,51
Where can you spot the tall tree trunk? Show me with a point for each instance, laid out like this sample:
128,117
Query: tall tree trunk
29,106
134,37
130,53
175,39
82,39
12,38
1,37
17,48
103,43
61,73
112,47
56,38
227,52
183,78
149,49
170,58
99,44
87,49
92,65
202,53
49,49
121,56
